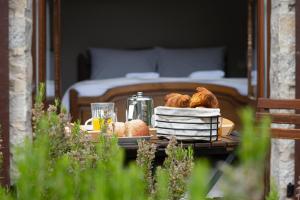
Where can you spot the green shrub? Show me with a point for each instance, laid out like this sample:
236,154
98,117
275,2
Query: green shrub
178,163
245,181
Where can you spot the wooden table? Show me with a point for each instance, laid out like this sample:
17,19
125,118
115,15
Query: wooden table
215,150
221,150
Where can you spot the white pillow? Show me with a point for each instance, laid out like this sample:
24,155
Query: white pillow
208,74
112,63
143,75
182,62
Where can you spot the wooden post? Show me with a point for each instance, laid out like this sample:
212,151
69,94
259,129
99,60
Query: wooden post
42,42
250,47
297,75
263,67
260,49
74,108
4,88
57,46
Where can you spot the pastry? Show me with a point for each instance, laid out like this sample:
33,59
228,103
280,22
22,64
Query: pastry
204,98
136,128
177,100
119,129
131,128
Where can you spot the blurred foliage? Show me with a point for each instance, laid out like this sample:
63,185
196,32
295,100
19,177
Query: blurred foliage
179,164
61,163
255,139
273,195
198,187
145,158
245,181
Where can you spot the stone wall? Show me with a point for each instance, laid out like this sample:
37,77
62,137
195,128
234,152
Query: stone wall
20,65
282,80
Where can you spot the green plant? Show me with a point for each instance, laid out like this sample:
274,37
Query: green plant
171,179
245,181
64,138
145,157
273,194
179,164
198,186
161,185
255,139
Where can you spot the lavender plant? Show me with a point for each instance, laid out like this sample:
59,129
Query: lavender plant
64,138
145,156
179,164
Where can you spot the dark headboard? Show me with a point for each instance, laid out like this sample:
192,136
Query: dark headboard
84,66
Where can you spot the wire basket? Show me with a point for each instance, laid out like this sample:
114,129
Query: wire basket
184,126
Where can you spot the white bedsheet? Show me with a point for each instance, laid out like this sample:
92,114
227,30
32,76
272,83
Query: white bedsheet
99,87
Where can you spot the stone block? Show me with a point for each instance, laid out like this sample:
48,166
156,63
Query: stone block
17,34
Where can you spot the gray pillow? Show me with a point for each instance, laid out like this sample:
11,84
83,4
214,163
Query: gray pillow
111,63
182,62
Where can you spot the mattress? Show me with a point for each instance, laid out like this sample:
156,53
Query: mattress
99,87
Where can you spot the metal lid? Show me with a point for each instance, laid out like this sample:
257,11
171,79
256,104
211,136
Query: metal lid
140,97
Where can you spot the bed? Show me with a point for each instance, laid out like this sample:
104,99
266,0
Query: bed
113,75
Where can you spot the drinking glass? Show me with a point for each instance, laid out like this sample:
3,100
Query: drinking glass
103,117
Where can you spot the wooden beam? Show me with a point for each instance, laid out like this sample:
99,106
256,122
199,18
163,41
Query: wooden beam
283,133
261,64
260,49
57,45
269,10
280,118
278,103
4,88
297,75
42,41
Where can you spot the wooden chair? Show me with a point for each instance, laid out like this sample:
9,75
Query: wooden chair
263,107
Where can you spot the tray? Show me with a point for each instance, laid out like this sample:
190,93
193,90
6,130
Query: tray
94,136
132,140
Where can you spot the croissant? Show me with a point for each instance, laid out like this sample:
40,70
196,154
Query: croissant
177,100
204,98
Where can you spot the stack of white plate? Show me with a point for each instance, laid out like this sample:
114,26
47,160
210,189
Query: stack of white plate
187,123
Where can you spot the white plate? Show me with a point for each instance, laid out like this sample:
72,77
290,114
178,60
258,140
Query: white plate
87,127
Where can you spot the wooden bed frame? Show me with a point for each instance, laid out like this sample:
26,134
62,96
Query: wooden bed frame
229,98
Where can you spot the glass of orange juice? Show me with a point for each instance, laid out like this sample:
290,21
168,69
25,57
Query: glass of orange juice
103,117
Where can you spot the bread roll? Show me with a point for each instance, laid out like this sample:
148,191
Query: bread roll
120,129
136,127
